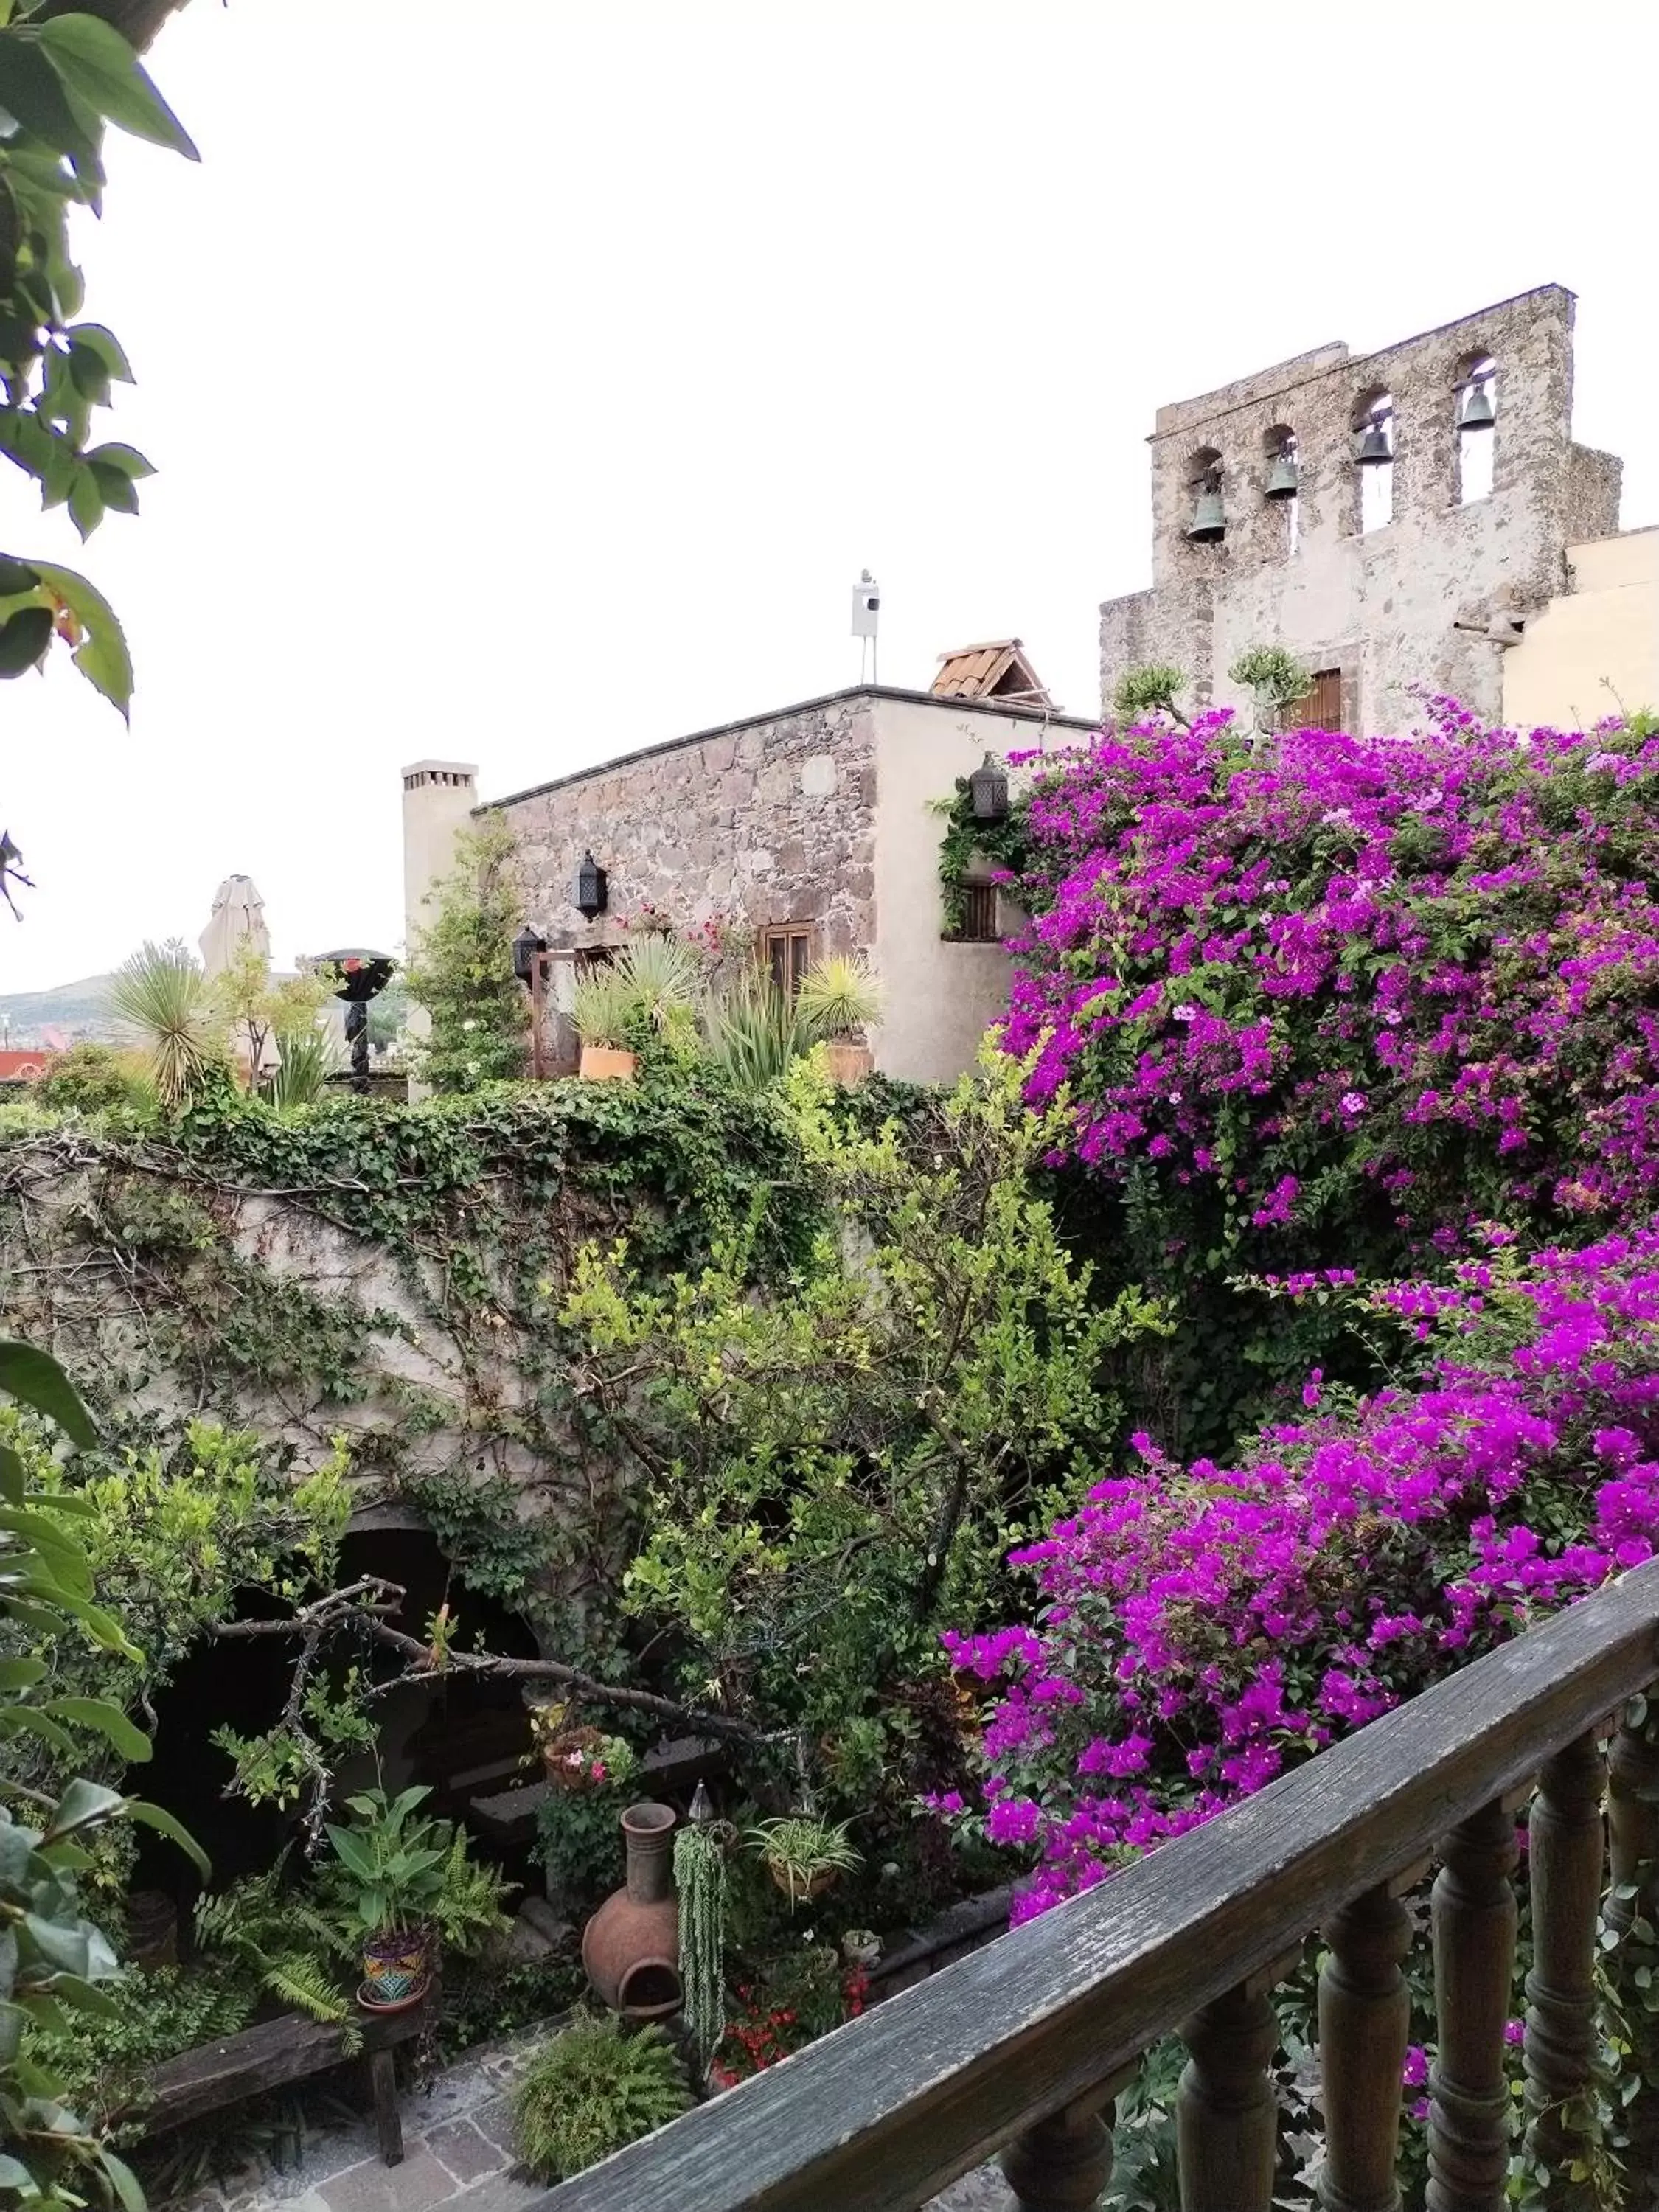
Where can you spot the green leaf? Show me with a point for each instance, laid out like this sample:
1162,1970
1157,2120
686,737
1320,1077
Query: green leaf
96,61
85,1995
86,503
114,455
43,1532
11,1476
124,2182
24,640
99,342
102,657
31,90
23,1720
83,1805
157,1817
19,1674
66,1950
109,1721
16,577
354,1854
89,374
33,1376
115,488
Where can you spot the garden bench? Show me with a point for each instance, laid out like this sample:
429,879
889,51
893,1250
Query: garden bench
216,2077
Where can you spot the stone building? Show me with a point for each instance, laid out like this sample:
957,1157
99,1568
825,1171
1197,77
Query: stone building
813,827
1395,519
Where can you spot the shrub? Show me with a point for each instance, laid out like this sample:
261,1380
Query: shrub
595,2089
89,1077
1203,1628
460,969
167,1006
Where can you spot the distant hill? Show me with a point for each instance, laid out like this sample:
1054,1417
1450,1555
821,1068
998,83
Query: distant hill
68,1012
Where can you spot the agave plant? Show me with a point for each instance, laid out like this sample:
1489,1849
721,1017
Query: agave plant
166,1003
839,996
309,1057
755,1030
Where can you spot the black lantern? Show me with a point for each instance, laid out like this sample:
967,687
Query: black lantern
988,787
525,945
588,897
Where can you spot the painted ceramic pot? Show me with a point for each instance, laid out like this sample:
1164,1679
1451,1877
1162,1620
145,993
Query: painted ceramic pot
395,1969
631,1947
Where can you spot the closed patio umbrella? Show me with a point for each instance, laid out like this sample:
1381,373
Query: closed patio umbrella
238,918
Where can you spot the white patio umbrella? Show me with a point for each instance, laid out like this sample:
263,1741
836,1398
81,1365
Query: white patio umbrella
239,917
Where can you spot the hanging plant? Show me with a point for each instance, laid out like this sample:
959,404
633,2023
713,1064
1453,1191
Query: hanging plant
968,838
700,1877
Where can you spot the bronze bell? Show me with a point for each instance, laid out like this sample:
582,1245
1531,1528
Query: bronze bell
1374,448
1479,413
1283,480
1209,524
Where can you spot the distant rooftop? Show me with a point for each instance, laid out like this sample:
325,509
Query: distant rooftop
998,670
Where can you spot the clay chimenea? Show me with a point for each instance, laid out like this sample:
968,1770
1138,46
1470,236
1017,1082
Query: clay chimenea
631,1947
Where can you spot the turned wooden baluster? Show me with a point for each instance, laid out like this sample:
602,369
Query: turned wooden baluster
1633,1836
1062,2164
1473,1914
1363,2018
1226,2120
1565,1857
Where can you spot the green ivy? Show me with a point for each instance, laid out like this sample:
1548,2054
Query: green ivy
1004,844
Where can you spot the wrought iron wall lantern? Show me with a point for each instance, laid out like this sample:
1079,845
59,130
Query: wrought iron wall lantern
588,896
988,789
525,945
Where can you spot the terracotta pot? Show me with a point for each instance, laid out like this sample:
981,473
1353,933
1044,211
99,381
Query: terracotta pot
631,1947
395,1969
603,1063
849,1063
798,1892
562,1772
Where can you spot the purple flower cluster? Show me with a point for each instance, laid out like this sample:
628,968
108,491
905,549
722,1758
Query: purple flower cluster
1203,1628
1420,973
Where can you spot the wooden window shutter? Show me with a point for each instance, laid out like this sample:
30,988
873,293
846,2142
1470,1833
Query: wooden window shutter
1320,707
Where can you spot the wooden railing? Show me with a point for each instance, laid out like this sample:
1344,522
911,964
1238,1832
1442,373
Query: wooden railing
1021,2048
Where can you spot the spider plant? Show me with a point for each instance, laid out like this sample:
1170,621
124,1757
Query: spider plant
165,1002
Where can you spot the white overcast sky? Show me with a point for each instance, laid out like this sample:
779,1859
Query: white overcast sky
529,380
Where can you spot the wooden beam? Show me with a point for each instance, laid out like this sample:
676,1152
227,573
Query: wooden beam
893,2108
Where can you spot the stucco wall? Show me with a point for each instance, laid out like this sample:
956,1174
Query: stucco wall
1383,606
939,997
1595,649
439,797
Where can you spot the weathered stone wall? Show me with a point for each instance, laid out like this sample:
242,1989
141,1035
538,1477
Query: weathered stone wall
766,821
1384,606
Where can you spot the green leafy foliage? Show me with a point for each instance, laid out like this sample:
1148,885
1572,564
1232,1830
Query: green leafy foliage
839,996
164,1000
1275,678
699,1882
62,81
969,845
592,2090
395,1862
841,1467
460,969
1150,689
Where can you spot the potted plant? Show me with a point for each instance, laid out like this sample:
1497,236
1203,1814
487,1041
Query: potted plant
606,1015
396,1866
839,999
590,2090
804,1854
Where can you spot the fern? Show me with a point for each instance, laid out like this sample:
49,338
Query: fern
593,2089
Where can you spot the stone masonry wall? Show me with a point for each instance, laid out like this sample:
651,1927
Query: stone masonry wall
765,822
1384,606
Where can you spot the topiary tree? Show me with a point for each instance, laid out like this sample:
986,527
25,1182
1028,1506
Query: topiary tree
460,969
1149,690
1275,678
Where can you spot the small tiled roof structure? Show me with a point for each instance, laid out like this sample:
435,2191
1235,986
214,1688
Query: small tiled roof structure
997,671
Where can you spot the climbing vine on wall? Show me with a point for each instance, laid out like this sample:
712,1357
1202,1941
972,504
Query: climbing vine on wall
967,840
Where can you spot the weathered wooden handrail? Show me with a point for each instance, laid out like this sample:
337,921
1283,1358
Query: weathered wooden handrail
1016,2048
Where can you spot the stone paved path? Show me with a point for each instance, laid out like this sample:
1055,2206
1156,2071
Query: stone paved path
458,2152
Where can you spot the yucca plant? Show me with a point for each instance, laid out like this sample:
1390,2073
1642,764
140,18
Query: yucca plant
839,996
309,1057
166,1004
593,2089
663,973
606,1010
755,1030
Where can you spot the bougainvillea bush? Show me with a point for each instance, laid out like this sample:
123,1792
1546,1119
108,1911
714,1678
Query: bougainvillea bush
1333,1002
1202,1629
